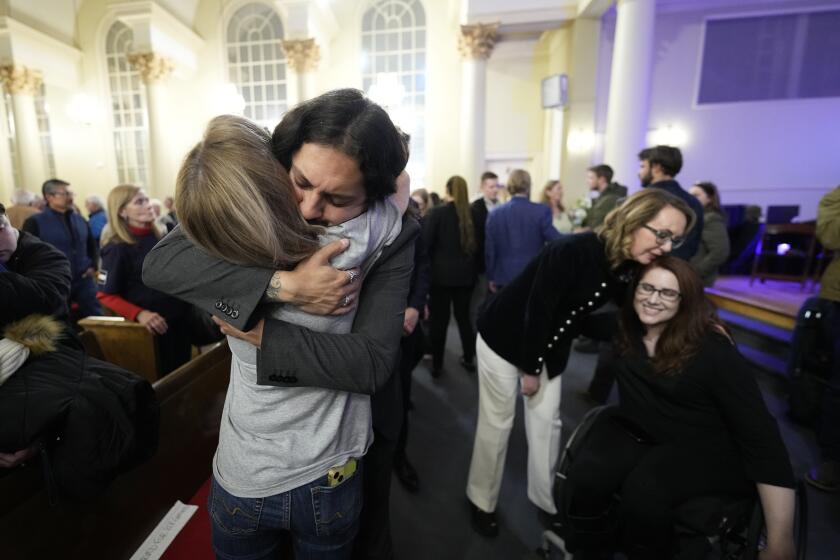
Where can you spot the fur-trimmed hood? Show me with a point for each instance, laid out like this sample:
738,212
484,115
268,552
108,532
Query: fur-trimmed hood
33,335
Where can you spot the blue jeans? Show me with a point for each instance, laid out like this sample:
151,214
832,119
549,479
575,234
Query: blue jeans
321,521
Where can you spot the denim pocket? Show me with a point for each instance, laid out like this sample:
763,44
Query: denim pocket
231,514
337,509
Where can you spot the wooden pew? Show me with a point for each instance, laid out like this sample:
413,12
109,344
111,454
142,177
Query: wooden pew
114,525
125,343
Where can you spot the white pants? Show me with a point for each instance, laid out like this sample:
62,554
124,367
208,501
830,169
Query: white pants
498,386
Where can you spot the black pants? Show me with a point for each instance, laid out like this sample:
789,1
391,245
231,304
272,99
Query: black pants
411,352
829,433
651,480
174,347
374,539
441,298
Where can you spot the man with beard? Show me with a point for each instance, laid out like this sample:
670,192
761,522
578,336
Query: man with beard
657,168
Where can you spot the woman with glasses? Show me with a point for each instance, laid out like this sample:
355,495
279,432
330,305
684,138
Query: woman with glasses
526,330
691,423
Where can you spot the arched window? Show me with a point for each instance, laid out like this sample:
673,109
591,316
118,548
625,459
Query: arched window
42,111
394,69
128,106
256,62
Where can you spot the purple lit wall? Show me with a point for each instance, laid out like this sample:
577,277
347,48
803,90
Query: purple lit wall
770,152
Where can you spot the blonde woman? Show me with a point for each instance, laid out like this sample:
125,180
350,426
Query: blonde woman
126,241
552,196
237,202
449,235
525,335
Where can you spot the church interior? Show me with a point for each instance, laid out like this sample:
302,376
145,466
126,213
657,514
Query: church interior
103,93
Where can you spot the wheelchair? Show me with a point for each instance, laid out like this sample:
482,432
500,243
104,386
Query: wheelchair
723,527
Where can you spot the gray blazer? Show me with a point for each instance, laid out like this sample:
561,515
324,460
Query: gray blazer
359,362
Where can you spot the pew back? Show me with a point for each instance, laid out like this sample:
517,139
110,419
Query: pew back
115,524
125,343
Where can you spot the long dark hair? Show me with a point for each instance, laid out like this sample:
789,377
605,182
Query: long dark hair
348,121
713,193
685,331
456,187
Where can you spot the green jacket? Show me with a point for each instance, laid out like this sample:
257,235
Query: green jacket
714,247
828,232
604,204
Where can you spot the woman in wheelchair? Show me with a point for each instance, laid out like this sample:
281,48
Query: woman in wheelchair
691,423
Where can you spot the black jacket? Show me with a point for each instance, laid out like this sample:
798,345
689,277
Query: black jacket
442,235
713,399
533,319
479,217
37,281
92,419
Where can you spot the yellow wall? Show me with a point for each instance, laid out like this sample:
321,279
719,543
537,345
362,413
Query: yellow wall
515,125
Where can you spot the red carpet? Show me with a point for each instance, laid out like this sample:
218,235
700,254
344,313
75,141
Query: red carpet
193,542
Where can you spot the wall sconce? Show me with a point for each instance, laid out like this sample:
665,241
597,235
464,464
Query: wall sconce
668,135
580,141
84,109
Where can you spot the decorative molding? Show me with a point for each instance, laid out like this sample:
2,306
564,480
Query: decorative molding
302,55
58,62
20,80
153,67
477,40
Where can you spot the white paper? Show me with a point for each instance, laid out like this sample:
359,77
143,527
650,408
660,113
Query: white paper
157,542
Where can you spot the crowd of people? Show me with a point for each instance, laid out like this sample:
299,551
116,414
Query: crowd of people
332,279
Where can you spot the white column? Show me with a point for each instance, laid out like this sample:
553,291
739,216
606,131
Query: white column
553,142
475,44
23,83
630,82
302,57
154,69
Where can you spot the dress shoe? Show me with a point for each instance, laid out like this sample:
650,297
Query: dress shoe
468,365
406,474
825,476
484,523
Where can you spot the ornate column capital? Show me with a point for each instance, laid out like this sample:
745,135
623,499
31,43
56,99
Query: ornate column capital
302,55
18,79
153,67
477,40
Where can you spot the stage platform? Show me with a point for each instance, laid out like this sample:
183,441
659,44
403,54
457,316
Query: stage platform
773,302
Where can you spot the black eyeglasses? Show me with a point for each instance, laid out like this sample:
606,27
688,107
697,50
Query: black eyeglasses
667,294
663,236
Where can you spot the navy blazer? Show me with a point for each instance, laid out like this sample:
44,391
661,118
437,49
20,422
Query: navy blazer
516,231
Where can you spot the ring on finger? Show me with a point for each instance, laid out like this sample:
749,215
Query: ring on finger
352,275
346,301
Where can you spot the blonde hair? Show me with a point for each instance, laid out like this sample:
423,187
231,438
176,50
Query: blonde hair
237,202
623,222
546,199
456,187
117,229
519,182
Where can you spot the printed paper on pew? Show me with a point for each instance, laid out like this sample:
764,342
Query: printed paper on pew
157,542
